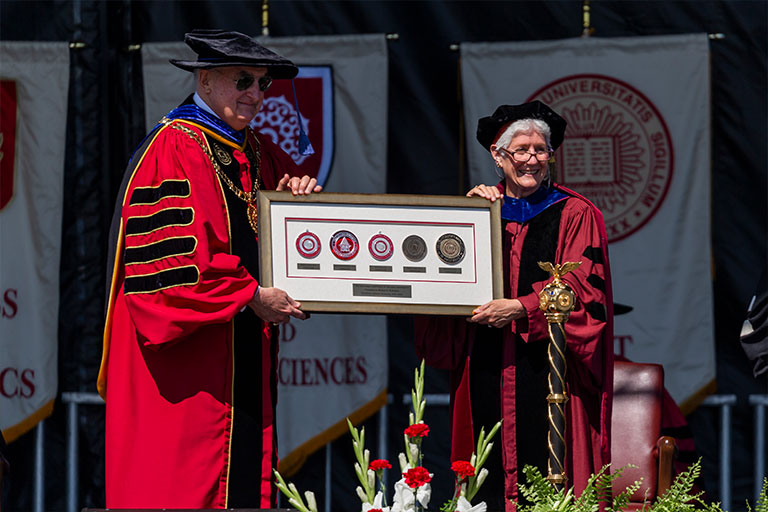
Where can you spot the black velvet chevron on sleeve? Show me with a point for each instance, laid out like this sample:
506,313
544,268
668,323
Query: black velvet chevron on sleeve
152,195
595,254
596,282
596,310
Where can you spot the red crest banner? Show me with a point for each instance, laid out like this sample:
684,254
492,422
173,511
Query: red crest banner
278,118
8,109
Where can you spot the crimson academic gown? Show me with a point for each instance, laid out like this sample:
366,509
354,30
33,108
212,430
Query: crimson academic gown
188,370
508,366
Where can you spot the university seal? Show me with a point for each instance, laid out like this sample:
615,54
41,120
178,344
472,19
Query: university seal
617,150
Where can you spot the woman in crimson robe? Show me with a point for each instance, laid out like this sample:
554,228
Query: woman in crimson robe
498,357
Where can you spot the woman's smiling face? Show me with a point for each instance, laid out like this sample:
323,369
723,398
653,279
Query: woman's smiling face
522,178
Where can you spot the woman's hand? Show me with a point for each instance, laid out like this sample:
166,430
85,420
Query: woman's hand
498,313
490,192
298,186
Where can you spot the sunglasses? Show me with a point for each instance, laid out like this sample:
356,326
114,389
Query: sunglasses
245,81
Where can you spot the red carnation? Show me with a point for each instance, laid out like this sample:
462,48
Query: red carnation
417,430
379,464
463,469
375,510
416,477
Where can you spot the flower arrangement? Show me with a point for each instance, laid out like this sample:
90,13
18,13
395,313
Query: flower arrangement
412,493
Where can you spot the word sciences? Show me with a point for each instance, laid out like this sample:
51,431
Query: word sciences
333,371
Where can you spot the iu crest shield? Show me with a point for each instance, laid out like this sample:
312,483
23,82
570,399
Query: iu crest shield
279,120
8,109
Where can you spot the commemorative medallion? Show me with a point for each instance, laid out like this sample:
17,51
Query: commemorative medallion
308,244
450,248
380,246
414,248
222,155
344,245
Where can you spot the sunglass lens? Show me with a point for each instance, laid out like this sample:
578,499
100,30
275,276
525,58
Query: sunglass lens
244,82
264,83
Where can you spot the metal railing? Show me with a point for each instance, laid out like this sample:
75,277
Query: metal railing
725,402
73,400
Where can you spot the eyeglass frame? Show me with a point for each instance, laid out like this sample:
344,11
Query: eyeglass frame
246,80
511,154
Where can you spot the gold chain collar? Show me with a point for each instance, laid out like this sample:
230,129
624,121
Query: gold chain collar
249,197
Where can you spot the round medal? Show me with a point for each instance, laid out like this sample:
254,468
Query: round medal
414,248
308,244
344,245
450,248
380,247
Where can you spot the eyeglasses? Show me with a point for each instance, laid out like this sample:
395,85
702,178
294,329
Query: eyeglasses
520,155
246,80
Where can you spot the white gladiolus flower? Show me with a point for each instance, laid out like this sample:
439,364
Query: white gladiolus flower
377,500
403,499
361,494
414,449
371,479
424,494
311,501
403,462
464,506
481,477
487,451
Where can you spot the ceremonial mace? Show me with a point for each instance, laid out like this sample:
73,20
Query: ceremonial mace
557,301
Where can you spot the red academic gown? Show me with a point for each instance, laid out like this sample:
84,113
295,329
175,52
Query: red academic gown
569,230
188,370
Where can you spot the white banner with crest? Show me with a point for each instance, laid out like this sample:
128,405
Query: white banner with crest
33,119
331,366
638,146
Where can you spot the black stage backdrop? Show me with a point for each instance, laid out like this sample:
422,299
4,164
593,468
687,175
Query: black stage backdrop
105,123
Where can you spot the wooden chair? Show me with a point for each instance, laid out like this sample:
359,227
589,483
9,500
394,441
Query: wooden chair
636,432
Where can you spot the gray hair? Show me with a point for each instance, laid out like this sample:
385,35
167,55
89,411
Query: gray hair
525,126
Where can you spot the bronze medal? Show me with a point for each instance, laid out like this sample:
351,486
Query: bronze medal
414,248
450,248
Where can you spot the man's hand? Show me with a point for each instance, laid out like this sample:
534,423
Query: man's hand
498,313
298,186
276,306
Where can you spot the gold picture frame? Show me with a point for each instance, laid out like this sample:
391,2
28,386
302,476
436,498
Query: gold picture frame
381,253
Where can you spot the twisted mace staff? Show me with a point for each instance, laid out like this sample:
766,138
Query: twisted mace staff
557,300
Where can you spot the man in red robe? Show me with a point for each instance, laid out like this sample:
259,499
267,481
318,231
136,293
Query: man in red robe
190,342
498,357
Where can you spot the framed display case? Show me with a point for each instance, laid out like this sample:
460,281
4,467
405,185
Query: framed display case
381,253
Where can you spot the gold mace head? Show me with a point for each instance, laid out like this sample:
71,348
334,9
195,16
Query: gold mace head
557,299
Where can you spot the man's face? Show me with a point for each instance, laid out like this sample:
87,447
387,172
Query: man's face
233,92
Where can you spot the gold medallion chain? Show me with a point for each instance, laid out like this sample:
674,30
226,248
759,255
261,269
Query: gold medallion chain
249,197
